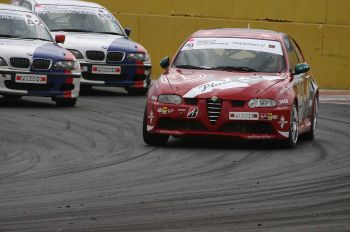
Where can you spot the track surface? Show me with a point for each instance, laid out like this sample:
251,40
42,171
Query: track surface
87,169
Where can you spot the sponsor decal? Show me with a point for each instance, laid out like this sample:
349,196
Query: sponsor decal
214,98
260,137
149,128
99,69
283,102
284,134
34,79
257,45
165,110
151,117
178,78
282,122
244,116
268,116
213,85
181,110
193,112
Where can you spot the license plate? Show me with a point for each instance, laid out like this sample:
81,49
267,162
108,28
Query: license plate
97,69
247,116
31,79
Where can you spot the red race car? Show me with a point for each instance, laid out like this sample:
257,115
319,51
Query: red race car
239,83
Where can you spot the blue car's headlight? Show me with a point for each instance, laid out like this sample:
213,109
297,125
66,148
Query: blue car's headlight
140,57
66,65
77,54
170,99
262,103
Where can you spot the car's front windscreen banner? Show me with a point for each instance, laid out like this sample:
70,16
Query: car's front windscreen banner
256,45
54,9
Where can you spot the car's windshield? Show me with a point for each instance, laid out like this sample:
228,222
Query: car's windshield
23,26
78,19
231,54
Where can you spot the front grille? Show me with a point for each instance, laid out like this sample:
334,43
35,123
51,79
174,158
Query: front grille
214,110
41,64
246,127
237,103
95,55
173,124
28,86
18,62
191,101
115,56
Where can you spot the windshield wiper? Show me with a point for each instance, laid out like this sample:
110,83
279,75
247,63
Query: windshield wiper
8,36
185,66
235,68
35,38
72,30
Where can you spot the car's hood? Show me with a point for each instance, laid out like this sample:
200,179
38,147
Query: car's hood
225,85
31,49
98,42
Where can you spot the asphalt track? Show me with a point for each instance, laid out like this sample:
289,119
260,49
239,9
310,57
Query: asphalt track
87,169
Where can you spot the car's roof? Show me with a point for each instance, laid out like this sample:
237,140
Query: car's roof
67,3
239,32
12,8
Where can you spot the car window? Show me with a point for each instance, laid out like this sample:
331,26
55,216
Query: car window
292,55
68,18
26,26
231,53
299,54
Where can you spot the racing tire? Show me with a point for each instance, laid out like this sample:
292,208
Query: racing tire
137,92
312,133
292,140
12,97
71,102
153,139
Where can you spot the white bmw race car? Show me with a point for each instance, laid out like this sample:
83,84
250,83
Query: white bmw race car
31,62
102,47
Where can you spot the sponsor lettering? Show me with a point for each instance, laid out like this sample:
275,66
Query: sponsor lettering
193,112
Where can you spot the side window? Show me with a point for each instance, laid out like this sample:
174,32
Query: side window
292,54
27,5
299,54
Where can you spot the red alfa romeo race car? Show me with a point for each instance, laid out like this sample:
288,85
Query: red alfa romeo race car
239,83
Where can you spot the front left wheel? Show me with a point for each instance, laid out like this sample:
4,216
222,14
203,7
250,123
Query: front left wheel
292,140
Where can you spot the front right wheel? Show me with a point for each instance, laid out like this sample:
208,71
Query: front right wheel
153,139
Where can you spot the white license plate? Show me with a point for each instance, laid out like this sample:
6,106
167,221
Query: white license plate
247,116
97,69
31,79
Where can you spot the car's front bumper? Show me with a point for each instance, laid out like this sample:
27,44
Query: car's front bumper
132,76
59,85
168,119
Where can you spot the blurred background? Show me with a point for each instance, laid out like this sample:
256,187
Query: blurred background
321,27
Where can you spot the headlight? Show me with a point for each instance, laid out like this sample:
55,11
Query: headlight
141,57
2,62
256,103
77,54
66,65
170,99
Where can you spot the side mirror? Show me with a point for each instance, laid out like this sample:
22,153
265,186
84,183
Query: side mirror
301,68
127,31
165,62
60,38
